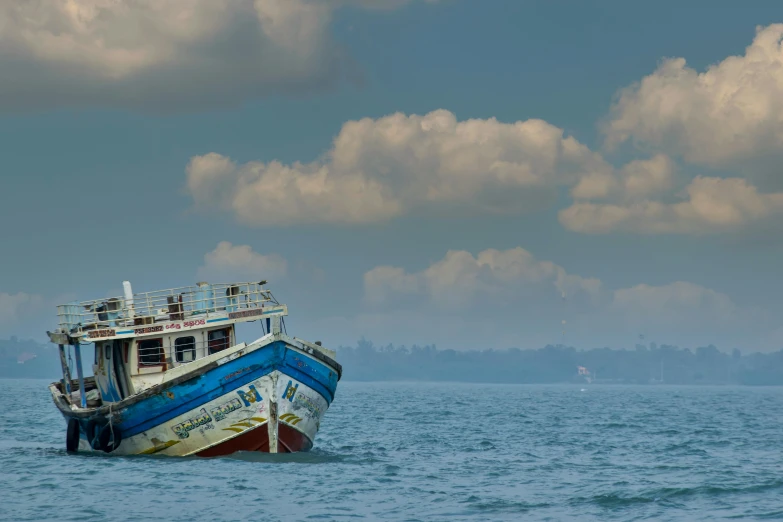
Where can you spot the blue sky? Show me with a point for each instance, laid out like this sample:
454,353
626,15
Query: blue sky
141,144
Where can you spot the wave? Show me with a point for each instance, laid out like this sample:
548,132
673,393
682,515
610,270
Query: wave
610,500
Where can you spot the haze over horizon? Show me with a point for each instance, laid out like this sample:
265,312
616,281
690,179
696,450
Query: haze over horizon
465,174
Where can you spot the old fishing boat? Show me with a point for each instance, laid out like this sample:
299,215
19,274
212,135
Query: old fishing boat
170,378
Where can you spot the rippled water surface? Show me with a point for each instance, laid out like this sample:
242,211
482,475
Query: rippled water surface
418,451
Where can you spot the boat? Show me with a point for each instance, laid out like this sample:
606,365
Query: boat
170,378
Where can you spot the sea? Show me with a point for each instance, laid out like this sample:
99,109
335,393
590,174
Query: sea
431,452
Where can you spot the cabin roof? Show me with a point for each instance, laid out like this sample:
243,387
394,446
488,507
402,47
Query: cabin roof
175,309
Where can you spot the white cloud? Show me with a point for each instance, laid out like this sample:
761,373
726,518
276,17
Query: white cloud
509,298
667,304
732,111
460,279
228,262
711,205
382,282
378,169
681,313
398,164
638,179
166,53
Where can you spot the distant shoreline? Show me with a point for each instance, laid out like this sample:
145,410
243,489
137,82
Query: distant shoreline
504,383
644,365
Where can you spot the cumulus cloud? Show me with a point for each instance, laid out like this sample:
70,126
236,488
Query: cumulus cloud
730,112
228,262
642,197
667,304
510,298
460,279
638,179
682,313
381,168
710,205
378,169
167,53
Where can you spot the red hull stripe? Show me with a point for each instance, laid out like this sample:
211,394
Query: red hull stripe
257,439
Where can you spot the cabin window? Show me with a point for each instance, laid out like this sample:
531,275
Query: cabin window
107,349
151,352
218,340
185,349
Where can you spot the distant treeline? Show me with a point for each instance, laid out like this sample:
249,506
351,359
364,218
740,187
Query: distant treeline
644,364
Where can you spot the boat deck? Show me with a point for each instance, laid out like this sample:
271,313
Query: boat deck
187,307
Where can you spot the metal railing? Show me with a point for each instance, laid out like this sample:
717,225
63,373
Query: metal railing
174,304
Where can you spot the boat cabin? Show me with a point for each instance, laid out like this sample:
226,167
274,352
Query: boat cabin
141,340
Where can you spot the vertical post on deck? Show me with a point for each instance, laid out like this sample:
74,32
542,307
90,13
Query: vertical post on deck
79,371
66,371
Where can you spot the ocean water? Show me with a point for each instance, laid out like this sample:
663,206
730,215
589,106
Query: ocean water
425,451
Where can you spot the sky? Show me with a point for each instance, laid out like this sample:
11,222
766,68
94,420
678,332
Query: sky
495,174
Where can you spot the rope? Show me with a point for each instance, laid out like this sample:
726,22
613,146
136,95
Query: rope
111,425
110,416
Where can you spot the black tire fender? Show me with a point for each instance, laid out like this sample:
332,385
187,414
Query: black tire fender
72,436
110,438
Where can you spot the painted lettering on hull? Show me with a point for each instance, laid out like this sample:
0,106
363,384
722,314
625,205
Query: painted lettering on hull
220,412
149,329
245,313
102,333
183,428
305,402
